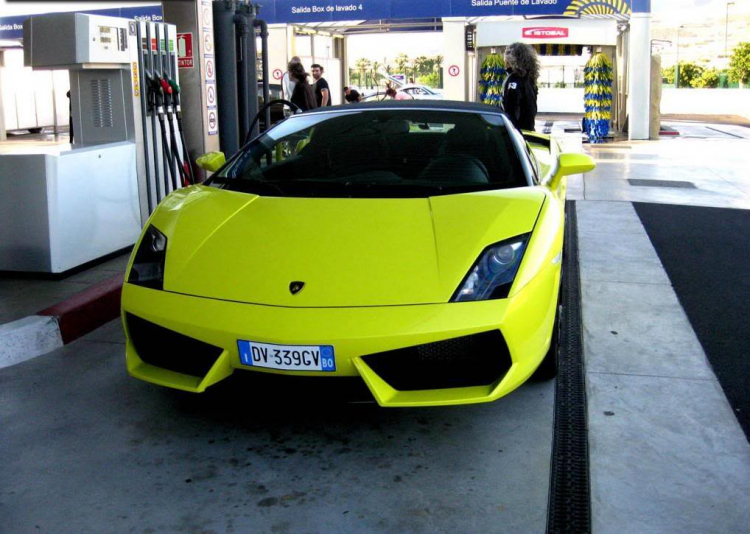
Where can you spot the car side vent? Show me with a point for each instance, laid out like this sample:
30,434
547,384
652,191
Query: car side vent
101,98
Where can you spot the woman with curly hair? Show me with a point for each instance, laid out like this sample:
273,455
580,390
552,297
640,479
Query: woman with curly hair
303,95
520,89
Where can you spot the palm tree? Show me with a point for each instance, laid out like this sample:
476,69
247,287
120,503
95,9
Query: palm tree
402,60
429,65
420,66
363,65
375,68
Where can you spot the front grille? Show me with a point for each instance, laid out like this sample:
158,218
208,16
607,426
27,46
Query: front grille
161,347
475,360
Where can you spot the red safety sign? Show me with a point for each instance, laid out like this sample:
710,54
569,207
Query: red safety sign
453,70
185,50
211,95
213,123
277,74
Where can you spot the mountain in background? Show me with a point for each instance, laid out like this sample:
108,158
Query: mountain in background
703,25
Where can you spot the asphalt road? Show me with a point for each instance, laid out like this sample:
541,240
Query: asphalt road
84,447
706,254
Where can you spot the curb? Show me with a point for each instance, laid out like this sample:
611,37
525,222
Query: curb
28,338
60,324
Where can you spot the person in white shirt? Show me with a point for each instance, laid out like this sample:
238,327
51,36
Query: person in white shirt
287,82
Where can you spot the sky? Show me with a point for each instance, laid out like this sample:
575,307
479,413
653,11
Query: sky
680,8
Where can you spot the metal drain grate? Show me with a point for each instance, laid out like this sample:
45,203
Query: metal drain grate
569,493
676,184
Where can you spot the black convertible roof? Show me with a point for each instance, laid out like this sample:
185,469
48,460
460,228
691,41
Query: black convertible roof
448,105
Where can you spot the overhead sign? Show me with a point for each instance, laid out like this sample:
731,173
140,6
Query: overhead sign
545,33
293,11
185,50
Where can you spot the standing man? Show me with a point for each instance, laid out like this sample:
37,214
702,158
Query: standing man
287,82
322,91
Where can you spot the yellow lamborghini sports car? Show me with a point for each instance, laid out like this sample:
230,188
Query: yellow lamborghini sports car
416,245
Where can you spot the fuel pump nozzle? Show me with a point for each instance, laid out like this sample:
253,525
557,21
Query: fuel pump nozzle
174,159
158,99
178,111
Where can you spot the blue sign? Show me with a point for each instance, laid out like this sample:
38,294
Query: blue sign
301,11
12,27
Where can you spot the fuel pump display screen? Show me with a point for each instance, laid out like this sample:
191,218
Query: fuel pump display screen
112,38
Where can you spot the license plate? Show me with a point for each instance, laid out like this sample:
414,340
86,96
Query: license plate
287,357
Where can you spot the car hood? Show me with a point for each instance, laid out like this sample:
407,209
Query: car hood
347,252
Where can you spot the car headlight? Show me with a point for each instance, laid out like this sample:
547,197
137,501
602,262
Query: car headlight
493,273
148,265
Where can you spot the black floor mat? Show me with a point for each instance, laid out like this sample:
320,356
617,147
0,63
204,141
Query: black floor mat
706,253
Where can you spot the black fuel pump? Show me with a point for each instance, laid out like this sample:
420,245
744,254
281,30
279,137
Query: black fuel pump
236,28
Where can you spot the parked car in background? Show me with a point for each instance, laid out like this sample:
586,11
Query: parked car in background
421,92
416,92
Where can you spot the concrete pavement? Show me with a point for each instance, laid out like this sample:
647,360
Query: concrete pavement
87,448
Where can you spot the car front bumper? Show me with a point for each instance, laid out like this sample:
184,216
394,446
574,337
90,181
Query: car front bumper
525,322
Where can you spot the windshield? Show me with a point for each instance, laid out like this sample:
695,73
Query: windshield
377,153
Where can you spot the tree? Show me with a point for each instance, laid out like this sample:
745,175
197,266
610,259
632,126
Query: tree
363,65
430,80
667,74
708,79
402,61
688,72
375,68
420,67
438,67
739,65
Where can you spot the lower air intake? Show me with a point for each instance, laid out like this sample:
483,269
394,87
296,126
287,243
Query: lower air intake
475,360
161,347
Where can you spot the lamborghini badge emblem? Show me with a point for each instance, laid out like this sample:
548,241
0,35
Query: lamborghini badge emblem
296,287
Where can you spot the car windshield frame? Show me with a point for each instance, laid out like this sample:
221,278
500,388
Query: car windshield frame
247,171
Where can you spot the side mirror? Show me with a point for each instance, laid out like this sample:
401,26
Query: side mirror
212,161
571,163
